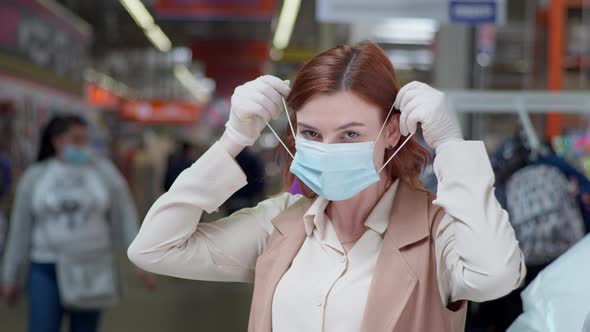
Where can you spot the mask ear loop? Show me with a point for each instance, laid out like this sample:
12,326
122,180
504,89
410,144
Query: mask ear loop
395,153
400,147
385,122
288,117
290,125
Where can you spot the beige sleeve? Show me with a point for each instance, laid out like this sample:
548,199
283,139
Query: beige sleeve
477,252
172,242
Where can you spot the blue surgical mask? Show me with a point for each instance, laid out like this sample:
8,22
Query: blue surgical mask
76,155
337,171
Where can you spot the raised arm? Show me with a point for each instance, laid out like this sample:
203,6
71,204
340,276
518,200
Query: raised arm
171,241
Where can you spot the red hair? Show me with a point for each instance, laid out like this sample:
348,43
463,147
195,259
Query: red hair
365,70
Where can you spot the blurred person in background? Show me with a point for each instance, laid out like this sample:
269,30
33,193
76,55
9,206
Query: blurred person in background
253,191
180,160
5,176
5,184
362,249
69,209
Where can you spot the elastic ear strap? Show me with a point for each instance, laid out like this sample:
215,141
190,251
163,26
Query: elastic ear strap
288,117
280,140
395,153
290,125
385,122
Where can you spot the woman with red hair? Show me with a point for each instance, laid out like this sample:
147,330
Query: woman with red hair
365,247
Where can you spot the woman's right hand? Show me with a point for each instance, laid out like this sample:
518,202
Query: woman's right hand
10,294
253,104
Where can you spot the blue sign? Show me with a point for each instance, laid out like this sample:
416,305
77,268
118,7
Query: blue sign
472,12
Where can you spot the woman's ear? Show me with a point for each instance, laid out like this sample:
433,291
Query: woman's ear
392,133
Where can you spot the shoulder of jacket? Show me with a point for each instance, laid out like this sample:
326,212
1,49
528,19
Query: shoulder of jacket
300,202
293,210
287,200
435,212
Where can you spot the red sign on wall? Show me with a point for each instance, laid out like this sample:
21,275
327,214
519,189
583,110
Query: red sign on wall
215,9
101,97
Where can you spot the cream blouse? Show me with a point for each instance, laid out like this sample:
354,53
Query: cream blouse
326,289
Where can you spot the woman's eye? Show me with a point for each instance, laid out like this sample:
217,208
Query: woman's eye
351,134
310,134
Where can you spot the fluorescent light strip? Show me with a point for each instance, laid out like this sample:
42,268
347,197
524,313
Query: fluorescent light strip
139,13
286,23
144,20
190,83
158,38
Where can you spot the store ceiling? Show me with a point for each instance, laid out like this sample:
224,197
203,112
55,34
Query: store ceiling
121,49
115,30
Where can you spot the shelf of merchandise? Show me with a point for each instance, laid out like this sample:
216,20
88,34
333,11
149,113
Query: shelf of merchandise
555,18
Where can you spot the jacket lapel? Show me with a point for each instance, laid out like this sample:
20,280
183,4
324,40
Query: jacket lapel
288,238
393,279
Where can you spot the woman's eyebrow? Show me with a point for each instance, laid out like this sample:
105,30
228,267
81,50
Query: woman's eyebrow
351,124
306,126
348,125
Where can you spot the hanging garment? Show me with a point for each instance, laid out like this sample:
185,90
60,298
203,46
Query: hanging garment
544,213
580,181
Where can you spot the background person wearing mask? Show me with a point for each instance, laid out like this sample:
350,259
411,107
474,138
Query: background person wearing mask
68,203
364,249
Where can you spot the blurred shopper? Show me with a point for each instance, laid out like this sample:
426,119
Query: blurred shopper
559,297
178,162
5,184
250,194
363,250
5,176
69,207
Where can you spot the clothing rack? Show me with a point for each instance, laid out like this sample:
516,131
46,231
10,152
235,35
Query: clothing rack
521,102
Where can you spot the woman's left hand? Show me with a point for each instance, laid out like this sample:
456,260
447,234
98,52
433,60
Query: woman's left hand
418,102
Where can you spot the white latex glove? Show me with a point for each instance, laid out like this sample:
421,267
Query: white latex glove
418,102
253,104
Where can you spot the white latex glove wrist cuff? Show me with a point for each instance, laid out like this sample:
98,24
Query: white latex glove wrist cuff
238,137
448,142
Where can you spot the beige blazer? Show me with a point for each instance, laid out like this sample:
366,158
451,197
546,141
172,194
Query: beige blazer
404,293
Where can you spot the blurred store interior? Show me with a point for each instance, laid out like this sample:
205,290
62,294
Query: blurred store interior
154,78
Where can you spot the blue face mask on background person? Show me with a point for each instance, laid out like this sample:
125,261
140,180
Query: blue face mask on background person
76,155
337,171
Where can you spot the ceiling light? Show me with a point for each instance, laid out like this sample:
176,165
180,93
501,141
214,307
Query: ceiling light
201,89
144,19
286,23
139,13
158,38
406,31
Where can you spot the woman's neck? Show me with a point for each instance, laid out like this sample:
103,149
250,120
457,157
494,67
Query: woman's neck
348,217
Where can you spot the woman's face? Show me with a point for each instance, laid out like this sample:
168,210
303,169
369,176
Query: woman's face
343,117
76,135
